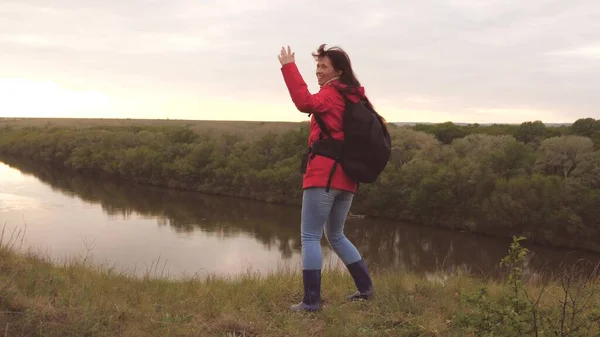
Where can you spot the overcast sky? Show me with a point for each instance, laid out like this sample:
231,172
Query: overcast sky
424,61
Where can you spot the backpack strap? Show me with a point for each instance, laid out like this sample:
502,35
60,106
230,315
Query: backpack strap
323,127
325,130
322,124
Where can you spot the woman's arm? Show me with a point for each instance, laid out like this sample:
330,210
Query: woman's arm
321,102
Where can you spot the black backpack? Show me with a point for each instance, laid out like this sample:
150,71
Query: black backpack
366,148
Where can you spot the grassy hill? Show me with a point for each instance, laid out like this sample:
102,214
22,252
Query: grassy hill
73,298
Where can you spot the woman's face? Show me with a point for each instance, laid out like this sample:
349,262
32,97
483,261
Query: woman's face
325,71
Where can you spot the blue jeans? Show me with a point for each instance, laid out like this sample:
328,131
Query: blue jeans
325,211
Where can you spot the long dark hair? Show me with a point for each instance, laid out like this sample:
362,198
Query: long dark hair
341,61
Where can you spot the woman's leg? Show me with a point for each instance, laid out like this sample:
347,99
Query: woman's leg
334,231
316,205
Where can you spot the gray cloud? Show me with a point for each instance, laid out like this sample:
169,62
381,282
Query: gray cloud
453,55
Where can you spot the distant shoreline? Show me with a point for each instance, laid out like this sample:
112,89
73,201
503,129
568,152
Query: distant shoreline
169,120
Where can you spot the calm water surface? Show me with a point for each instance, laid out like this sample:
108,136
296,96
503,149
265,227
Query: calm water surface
169,233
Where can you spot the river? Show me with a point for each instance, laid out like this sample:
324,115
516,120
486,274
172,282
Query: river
160,232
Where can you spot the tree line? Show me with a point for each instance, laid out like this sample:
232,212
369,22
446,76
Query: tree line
531,180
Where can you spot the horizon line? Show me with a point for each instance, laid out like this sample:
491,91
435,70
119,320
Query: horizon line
274,121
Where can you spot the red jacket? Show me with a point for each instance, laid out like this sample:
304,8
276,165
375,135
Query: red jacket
330,105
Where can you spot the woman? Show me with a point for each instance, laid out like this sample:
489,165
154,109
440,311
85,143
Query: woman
326,199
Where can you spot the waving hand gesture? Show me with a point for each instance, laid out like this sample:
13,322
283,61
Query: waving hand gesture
286,56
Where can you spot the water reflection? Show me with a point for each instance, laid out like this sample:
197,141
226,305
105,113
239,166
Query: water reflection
384,244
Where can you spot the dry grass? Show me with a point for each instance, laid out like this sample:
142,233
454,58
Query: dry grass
78,300
75,298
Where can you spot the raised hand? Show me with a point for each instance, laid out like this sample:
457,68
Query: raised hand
286,56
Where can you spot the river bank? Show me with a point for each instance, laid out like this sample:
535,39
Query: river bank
73,298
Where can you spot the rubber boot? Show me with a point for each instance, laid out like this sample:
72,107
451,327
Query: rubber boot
362,280
312,291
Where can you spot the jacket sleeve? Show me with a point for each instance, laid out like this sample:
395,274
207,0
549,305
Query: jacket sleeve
321,102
